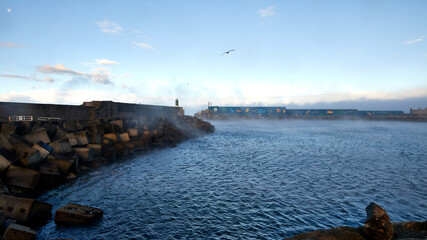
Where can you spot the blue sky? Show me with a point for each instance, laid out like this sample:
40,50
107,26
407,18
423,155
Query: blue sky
355,54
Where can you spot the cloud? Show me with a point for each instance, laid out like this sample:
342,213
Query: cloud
46,79
9,10
109,27
267,12
413,41
98,75
10,45
104,61
143,45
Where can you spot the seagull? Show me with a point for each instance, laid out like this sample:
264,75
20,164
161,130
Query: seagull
228,51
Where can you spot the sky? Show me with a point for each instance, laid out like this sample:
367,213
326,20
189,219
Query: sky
365,54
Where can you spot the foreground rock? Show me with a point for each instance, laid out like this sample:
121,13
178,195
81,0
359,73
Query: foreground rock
76,215
25,210
19,232
377,227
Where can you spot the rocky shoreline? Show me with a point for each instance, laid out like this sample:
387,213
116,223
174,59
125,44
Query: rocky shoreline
39,155
376,227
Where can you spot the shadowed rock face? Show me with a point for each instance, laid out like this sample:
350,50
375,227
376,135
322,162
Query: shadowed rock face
377,225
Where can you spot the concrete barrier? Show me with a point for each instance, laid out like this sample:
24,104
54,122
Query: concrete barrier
19,232
75,215
22,177
24,209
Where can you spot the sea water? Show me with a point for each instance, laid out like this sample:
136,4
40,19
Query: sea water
256,179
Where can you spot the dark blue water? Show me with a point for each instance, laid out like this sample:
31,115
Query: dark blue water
256,180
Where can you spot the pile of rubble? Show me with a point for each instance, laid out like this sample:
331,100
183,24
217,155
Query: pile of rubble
39,155
376,227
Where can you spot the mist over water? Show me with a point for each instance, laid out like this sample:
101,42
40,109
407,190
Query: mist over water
256,180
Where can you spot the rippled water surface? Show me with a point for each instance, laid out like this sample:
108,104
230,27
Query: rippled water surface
256,180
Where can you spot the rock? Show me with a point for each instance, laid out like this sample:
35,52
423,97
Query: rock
22,177
377,225
74,215
24,209
19,232
410,230
341,233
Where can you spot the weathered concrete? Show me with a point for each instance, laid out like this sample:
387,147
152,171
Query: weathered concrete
6,159
25,210
19,232
74,214
38,135
85,154
61,146
22,177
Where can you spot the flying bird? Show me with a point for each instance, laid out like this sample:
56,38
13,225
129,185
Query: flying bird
228,51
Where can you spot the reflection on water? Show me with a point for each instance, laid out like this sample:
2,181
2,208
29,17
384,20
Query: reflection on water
256,180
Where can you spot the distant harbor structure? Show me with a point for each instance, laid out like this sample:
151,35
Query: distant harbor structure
224,112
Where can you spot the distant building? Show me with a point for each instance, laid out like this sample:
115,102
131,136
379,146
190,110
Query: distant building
418,111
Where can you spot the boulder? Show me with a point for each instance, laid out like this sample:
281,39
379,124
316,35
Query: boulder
24,209
409,230
19,232
75,215
22,177
377,225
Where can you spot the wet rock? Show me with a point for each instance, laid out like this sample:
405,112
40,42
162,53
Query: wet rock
74,215
19,232
22,177
341,233
377,225
25,210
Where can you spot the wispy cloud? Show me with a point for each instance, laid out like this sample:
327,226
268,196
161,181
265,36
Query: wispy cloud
9,10
409,42
98,75
109,27
104,61
46,79
143,45
10,45
267,12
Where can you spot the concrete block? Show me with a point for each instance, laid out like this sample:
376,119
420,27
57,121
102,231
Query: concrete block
31,160
85,154
49,174
113,136
96,147
65,165
38,135
107,141
95,138
12,127
2,221
43,152
119,123
108,152
4,142
22,177
72,139
24,209
133,132
7,158
75,215
19,232
60,132
61,146
70,125
82,138
124,137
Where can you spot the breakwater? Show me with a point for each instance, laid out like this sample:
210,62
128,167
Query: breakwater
260,112
43,145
